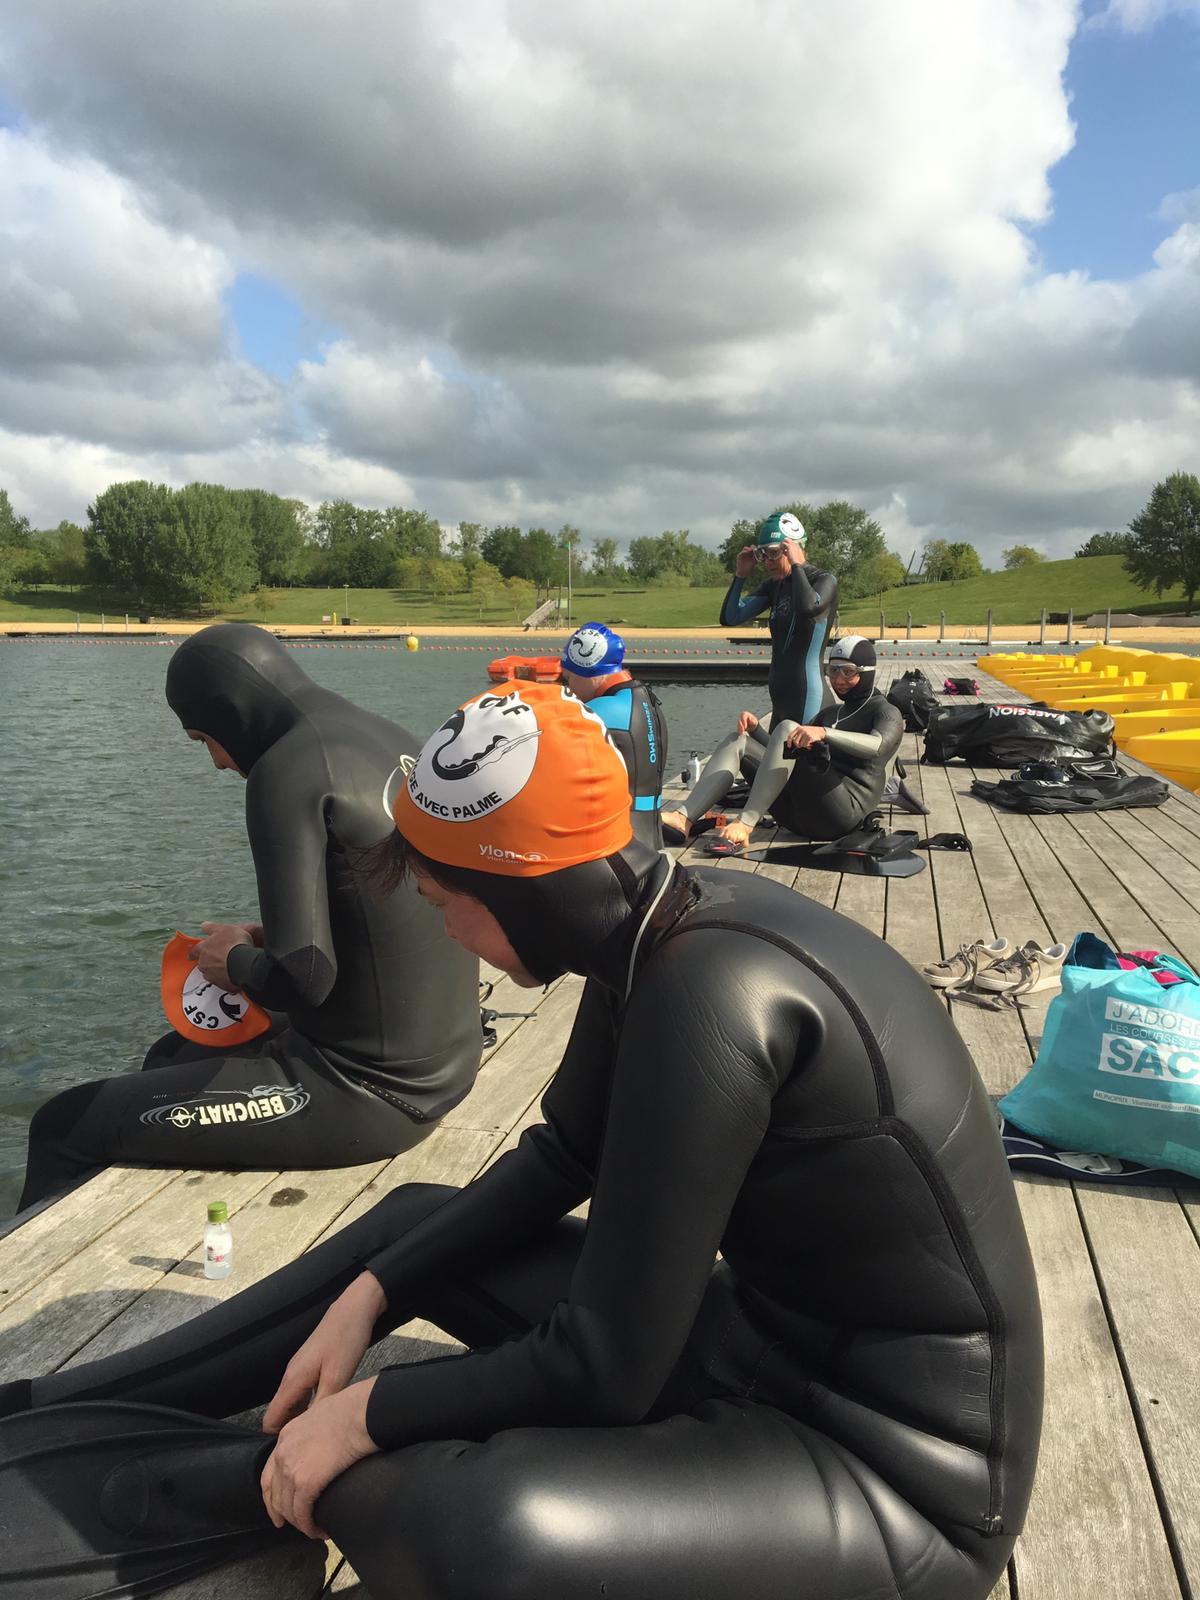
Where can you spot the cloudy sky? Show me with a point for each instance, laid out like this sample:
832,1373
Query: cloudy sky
629,266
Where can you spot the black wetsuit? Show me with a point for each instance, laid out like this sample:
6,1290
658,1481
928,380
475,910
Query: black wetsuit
838,782
846,1405
380,1034
633,715
802,606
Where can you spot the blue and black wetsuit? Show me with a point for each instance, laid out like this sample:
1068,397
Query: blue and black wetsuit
633,715
802,609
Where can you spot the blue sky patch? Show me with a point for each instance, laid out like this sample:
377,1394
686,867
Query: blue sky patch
274,330
1135,102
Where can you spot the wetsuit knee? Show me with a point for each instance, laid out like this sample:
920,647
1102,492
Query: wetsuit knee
57,1153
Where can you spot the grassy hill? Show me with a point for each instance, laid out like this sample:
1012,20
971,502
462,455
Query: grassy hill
1084,584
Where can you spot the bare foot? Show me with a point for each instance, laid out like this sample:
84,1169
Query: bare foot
676,819
736,832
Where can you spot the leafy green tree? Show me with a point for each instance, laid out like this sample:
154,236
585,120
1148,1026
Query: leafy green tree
947,561
880,573
64,551
124,524
741,534
1105,544
465,546
843,539
202,555
645,559
412,533
14,530
275,532
359,547
501,546
538,558
1021,555
604,558
1164,549
446,577
35,567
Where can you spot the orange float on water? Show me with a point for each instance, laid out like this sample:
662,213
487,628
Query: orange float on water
539,669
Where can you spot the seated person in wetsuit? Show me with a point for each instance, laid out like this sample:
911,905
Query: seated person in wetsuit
379,1029
796,1348
817,779
593,669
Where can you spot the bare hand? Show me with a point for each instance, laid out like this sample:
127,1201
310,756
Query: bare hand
314,1450
212,953
805,736
258,934
794,552
747,722
747,557
736,832
328,1359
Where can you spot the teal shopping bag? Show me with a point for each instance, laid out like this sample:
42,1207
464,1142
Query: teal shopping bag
1118,1070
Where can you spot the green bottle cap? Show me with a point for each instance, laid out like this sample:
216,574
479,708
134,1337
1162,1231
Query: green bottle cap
218,1211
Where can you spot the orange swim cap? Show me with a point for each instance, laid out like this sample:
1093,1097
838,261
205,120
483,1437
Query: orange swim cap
521,781
199,1010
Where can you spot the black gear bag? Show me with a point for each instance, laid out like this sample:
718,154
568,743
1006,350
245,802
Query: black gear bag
1009,736
913,697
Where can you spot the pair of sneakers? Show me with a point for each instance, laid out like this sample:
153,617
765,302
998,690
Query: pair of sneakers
998,967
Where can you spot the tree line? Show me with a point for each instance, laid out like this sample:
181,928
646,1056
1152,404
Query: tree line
198,548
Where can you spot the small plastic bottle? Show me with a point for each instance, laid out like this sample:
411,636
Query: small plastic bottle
218,1241
694,769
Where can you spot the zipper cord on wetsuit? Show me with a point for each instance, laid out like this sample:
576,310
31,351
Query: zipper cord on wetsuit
653,907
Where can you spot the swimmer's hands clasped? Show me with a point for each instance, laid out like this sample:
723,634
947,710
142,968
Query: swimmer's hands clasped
319,1414
805,736
211,955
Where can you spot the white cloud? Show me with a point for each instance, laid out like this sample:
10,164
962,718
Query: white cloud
630,268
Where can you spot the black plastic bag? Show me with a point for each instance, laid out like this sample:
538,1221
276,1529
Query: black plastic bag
1009,736
913,697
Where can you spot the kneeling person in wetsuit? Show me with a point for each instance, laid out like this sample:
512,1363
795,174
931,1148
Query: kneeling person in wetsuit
817,779
692,1395
379,1029
593,669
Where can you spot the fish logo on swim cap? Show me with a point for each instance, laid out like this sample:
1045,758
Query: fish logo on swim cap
521,780
780,526
593,650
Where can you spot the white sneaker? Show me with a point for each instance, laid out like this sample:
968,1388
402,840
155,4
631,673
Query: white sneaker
1025,971
965,965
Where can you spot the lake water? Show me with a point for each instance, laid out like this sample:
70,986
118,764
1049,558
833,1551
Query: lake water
117,830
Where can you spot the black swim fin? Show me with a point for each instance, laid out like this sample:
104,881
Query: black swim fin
108,1499
856,864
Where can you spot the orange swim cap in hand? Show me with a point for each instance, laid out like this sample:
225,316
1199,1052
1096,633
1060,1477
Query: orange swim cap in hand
198,1009
521,781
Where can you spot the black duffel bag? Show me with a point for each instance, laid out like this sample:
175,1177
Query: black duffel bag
1100,785
913,697
1009,736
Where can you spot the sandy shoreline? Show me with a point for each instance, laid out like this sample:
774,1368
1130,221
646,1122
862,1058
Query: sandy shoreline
547,641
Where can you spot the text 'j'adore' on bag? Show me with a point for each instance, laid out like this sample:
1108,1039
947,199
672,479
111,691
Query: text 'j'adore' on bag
1118,1069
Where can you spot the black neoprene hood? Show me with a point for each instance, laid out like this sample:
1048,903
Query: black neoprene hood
239,685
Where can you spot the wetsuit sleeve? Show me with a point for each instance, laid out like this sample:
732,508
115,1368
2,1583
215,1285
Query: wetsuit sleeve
812,597
861,745
737,608
546,1176
692,1086
286,823
613,711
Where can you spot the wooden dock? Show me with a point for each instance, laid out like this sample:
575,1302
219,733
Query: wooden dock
1116,1509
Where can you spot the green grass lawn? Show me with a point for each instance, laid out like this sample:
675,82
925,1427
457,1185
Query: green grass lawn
1084,584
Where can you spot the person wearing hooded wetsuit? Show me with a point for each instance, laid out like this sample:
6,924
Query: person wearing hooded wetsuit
379,1030
796,1350
802,602
594,671
818,779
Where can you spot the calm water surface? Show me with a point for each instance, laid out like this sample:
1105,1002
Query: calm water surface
117,830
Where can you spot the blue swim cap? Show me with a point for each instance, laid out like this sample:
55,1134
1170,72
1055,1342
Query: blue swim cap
593,651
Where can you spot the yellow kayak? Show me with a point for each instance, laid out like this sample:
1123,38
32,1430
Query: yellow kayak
1176,755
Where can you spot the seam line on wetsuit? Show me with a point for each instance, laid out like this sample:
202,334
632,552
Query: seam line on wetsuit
883,1088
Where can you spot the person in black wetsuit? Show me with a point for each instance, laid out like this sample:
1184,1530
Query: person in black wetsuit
846,1403
379,1029
818,779
593,669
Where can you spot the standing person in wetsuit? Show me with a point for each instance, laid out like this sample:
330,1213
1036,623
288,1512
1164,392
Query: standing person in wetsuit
846,1403
379,1034
802,602
593,669
817,779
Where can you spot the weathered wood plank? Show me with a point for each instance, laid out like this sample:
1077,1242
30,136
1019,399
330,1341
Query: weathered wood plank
1093,1528
522,1066
1149,1263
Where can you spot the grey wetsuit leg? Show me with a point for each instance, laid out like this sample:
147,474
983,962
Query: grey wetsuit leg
774,771
723,769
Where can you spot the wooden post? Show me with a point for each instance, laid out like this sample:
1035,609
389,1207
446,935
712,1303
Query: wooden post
908,627
1042,635
941,624
1107,622
989,633
882,626
1071,625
